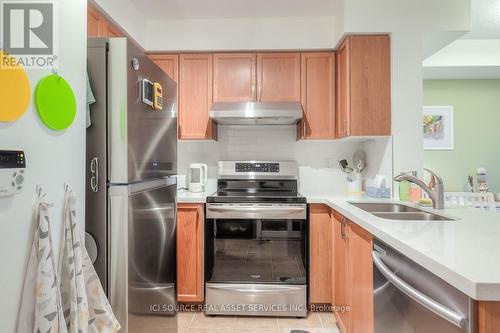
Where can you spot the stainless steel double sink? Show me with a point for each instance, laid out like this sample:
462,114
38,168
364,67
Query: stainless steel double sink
396,211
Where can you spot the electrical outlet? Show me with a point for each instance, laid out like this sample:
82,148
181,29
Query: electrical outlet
329,162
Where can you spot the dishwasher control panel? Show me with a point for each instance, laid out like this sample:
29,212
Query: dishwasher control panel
12,172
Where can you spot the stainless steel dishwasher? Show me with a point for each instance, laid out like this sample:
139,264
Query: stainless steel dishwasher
410,299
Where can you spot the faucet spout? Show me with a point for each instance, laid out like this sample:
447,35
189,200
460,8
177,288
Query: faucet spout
436,194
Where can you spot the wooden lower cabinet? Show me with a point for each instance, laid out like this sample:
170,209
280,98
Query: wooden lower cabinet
352,276
190,280
360,280
489,317
340,300
320,265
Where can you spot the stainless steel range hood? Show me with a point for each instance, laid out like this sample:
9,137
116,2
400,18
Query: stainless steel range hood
256,113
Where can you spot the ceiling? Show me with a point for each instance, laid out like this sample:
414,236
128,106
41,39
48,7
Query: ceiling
218,9
476,55
485,19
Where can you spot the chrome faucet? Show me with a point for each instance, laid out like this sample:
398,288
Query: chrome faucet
436,194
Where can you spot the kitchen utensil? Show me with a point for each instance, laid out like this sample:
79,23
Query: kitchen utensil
15,94
354,184
55,102
197,177
359,160
344,166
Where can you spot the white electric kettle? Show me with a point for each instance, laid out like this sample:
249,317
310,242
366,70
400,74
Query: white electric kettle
197,178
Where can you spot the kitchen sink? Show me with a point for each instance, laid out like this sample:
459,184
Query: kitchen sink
395,211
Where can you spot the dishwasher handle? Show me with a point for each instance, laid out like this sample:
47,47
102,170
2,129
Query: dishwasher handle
453,317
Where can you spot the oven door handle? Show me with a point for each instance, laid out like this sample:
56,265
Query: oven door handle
274,290
256,209
424,300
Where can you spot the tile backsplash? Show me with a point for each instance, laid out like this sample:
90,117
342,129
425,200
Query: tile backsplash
318,159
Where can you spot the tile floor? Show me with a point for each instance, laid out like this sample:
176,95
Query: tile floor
317,322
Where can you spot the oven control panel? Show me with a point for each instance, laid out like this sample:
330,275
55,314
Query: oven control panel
257,167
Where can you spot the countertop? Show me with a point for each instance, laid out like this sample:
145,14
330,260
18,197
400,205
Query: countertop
465,252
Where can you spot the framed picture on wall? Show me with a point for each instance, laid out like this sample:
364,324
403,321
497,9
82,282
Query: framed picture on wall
438,128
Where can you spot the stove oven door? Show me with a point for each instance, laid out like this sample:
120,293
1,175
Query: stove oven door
256,243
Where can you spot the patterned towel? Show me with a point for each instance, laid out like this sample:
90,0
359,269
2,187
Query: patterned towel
41,309
86,307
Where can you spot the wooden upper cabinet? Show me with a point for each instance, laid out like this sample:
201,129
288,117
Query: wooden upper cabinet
99,26
169,63
360,272
190,284
321,244
364,86
278,77
195,96
318,95
339,269
111,30
234,77
343,91
94,23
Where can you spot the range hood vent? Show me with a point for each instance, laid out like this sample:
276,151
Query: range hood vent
256,113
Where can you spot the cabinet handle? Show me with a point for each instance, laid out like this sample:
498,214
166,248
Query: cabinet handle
198,214
259,97
343,228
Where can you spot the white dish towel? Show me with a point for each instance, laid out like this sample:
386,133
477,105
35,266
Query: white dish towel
86,307
41,309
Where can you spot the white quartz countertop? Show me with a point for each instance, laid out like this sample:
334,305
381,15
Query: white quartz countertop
184,196
464,252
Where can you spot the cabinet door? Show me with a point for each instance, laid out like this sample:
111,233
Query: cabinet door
340,274
111,30
169,63
343,89
360,280
94,23
190,252
195,96
489,317
278,77
234,77
320,254
318,94
370,86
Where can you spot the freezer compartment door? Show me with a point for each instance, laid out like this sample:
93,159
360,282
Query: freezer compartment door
143,248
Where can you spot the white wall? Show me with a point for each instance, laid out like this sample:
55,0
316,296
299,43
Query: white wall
52,159
270,33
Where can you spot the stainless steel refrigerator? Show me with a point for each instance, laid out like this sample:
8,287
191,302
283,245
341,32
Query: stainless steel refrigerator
131,180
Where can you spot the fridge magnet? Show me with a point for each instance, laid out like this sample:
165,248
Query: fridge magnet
55,102
15,93
438,128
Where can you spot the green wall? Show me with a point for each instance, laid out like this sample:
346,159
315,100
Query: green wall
477,130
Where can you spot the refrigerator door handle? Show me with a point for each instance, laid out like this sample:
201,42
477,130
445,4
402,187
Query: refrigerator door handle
94,174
